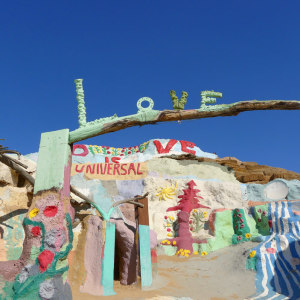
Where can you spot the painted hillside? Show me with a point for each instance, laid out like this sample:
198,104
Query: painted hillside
198,203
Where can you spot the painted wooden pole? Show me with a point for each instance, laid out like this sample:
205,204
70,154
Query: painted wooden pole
144,244
108,260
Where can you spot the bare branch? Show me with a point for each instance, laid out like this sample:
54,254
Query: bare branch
132,201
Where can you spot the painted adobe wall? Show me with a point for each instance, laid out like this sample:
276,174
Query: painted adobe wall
110,174
142,169
107,174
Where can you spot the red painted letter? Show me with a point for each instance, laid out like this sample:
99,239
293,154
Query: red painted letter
185,144
83,148
160,149
116,160
79,171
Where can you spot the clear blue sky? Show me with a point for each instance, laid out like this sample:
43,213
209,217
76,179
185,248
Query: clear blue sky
126,50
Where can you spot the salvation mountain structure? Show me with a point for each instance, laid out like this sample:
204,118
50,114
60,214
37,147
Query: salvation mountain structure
98,213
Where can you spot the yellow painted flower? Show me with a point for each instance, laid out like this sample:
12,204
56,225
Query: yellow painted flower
168,242
167,192
172,218
186,255
205,214
248,235
196,252
252,253
33,213
169,234
203,253
174,243
194,210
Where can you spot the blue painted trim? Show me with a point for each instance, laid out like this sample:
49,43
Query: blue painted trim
107,278
145,255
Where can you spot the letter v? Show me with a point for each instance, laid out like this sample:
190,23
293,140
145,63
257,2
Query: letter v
161,149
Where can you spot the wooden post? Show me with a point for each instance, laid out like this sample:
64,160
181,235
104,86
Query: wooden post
144,244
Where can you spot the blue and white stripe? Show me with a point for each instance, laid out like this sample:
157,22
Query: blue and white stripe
278,274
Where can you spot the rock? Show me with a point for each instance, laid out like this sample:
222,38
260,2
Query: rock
128,212
13,198
7,175
92,254
245,171
126,256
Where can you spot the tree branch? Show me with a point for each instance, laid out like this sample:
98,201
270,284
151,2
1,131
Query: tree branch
211,111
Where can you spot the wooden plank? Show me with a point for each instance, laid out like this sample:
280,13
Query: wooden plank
138,269
107,279
143,214
145,256
54,154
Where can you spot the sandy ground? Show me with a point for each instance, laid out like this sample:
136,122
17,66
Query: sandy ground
218,276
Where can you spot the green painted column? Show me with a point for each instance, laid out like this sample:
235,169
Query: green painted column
54,154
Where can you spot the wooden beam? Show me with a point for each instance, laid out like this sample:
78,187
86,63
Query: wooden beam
175,115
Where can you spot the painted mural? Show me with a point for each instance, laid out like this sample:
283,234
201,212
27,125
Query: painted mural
195,207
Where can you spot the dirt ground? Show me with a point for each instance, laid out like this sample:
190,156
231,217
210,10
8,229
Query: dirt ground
218,276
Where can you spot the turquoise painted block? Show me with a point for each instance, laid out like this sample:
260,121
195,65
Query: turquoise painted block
54,153
145,255
107,279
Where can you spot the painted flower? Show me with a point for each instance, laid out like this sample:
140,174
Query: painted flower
33,213
252,253
259,210
194,210
239,237
169,234
168,242
271,250
240,215
169,229
205,214
174,243
191,222
203,253
270,223
166,217
50,211
242,225
196,252
36,230
45,259
248,235
237,210
191,229
259,219
264,213
241,220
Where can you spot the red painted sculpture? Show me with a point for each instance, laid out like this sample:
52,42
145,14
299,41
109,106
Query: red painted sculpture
188,201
